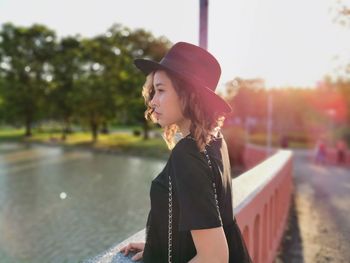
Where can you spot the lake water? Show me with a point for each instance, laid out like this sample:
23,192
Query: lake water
60,205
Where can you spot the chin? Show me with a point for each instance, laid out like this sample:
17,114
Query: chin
164,123
160,124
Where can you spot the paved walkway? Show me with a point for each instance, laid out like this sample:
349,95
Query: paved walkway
319,226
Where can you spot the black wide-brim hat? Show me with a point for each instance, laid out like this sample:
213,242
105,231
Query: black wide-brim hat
194,65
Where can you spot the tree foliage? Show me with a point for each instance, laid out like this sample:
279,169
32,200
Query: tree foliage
90,81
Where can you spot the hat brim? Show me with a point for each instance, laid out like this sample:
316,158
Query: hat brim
214,101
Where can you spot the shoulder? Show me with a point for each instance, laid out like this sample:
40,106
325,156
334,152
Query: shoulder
185,146
186,158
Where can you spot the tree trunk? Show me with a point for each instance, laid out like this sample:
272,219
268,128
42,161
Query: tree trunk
145,130
28,125
104,129
94,129
66,128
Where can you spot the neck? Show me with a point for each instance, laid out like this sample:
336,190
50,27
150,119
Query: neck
184,127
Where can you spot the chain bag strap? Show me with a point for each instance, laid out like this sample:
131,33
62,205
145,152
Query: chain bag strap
170,217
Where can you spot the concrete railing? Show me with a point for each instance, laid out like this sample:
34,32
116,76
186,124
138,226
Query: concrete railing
261,200
253,155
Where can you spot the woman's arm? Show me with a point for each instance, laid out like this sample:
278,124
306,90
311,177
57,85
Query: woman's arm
211,245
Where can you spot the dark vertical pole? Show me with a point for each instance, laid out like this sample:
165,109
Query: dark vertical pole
203,24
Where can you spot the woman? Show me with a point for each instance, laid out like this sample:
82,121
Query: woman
191,217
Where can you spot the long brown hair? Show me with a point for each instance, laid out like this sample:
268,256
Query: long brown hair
204,121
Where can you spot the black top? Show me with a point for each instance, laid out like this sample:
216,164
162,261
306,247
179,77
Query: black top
194,205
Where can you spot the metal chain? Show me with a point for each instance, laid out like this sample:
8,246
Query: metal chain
214,186
170,218
170,221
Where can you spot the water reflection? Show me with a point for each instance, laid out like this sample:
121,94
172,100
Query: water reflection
106,200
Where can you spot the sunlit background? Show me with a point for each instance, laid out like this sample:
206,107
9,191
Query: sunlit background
291,43
77,156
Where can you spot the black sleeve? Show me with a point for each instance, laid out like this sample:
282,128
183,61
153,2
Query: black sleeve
193,184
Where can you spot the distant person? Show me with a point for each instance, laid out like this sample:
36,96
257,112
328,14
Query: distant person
191,216
320,152
341,152
284,142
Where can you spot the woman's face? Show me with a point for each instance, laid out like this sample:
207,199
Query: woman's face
165,100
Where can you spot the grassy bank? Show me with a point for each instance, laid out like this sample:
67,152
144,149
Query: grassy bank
120,142
295,141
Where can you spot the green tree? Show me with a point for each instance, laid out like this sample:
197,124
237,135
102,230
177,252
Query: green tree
25,56
66,69
141,44
94,91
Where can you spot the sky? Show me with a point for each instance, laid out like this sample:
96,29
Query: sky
287,43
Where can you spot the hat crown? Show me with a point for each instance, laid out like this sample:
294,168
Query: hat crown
195,66
195,62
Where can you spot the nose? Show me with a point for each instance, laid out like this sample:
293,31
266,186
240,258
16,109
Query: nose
153,102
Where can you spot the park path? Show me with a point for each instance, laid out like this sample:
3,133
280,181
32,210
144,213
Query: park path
319,225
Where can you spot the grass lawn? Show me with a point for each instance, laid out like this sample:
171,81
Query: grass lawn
11,135
261,139
122,142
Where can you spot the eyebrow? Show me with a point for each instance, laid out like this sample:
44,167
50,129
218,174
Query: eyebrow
158,84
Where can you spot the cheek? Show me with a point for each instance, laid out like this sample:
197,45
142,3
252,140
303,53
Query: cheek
171,105
175,107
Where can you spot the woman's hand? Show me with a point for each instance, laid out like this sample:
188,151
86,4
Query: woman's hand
134,247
